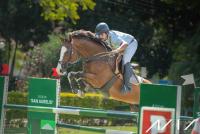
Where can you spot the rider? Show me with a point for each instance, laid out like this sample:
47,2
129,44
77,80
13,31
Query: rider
121,43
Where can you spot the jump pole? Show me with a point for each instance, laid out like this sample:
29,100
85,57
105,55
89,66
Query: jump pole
3,100
69,111
196,107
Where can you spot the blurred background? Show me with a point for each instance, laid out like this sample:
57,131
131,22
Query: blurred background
168,32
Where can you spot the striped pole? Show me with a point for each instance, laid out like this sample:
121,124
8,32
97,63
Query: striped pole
4,81
186,118
73,107
93,129
108,113
80,112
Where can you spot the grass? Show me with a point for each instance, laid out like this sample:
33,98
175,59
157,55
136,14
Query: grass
70,131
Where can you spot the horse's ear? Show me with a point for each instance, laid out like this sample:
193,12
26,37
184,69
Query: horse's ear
89,33
69,37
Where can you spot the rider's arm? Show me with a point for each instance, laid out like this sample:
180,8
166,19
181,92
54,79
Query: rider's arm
122,48
119,44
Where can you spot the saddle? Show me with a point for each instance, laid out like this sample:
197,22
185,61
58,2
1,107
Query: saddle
119,68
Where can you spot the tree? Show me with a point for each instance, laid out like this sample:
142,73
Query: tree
180,21
61,9
22,24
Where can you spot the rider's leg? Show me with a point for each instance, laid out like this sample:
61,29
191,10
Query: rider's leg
128,71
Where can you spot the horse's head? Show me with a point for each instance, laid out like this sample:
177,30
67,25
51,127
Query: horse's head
78,44
68,55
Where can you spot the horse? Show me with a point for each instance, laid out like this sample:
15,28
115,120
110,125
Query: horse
100,66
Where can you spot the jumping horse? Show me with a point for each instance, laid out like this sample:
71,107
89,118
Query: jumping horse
100,66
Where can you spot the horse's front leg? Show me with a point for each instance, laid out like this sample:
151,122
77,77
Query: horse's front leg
81,81
72,77
77,83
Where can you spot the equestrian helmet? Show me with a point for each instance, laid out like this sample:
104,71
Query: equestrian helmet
101,28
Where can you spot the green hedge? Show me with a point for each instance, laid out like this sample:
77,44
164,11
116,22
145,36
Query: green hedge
97,102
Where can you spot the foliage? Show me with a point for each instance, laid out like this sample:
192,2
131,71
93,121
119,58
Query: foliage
20,20
61,9
179,19
27,23
4,55
43,58
187,55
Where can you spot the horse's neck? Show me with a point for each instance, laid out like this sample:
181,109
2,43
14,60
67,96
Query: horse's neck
87,48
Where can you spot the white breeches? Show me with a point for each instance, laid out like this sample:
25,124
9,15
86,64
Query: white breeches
130,51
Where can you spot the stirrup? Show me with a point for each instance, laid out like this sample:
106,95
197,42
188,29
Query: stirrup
125,89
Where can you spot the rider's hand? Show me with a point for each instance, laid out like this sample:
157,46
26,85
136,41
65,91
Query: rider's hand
115,51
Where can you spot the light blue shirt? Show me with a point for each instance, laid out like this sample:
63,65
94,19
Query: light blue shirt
116,38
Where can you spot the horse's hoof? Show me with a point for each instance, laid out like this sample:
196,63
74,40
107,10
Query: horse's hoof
75,91
80,94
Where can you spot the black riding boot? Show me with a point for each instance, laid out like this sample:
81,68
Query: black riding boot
127,73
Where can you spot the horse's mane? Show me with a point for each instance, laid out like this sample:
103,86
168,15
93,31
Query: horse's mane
83,34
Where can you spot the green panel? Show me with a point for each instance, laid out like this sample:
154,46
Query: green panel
164,96
197,103
42,92
1,89
2,79
158,95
